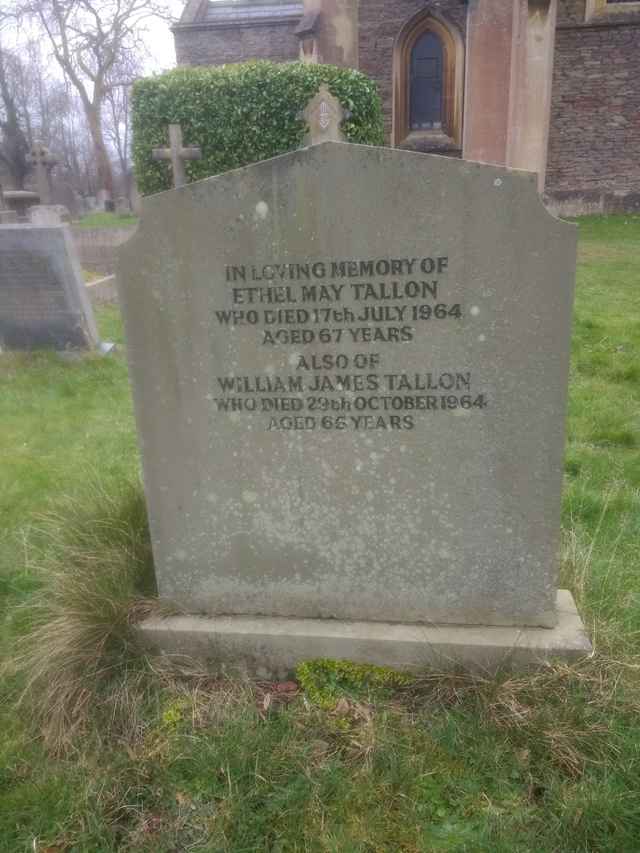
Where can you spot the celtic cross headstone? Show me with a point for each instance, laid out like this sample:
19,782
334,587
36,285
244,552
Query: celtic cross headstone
43,161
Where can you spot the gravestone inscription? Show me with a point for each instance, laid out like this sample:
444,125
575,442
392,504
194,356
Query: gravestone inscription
43,303
350,369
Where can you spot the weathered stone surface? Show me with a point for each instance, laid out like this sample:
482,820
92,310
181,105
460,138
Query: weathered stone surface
43,300
324,115
390,447
48,214
272,647
176,153
123,206
20,201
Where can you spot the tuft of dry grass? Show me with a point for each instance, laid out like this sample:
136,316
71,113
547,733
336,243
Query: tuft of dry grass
558,709
75,651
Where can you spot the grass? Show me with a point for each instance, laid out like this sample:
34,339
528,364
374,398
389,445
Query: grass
106,220
172,760
93,562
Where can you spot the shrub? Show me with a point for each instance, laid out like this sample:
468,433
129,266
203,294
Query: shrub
239,114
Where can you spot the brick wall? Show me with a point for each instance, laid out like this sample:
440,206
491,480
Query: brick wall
216,46
571,12
379,25
594,142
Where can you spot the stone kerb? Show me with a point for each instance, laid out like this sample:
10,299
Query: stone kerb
103,291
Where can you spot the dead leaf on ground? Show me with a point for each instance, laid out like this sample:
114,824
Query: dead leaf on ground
342,707
285,687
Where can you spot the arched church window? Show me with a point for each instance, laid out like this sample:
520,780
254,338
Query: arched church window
426,83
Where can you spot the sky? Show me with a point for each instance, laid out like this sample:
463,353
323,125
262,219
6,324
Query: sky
159,41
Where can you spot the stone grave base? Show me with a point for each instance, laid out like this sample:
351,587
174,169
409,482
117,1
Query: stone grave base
271,647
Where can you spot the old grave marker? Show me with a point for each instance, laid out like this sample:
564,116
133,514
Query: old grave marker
43,161
350,374
43,300
48,214
324,114
177,154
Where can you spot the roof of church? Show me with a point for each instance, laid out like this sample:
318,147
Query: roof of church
235,12
241,11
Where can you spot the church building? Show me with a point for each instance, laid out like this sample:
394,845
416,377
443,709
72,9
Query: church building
551,86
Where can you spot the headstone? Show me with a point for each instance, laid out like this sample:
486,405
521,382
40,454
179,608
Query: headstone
350,372
43,161
104,201
65,194
43,299
324,115
123,206
7,216
177,154
136,199
48,214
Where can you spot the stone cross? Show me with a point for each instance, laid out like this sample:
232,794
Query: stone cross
177,154
43,161
324,115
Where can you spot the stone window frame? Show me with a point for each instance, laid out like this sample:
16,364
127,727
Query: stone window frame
602,8
453,45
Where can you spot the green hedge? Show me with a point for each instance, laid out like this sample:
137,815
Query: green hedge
239,114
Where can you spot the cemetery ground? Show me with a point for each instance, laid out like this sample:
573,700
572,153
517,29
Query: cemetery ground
106,220
110,752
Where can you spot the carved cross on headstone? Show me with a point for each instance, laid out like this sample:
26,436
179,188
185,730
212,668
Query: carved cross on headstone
177,154
324,115
43,161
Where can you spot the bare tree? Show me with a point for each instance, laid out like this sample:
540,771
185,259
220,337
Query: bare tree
88,39
117,114
14,145
13,142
